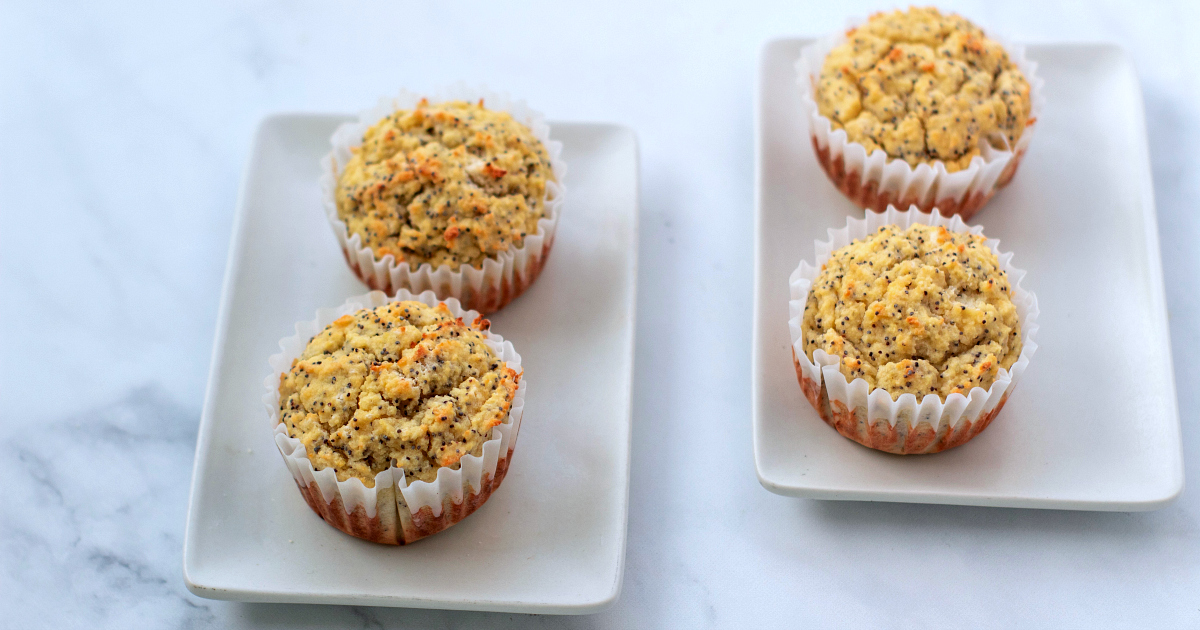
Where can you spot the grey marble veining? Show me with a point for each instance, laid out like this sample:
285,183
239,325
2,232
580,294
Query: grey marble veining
125,129
85,486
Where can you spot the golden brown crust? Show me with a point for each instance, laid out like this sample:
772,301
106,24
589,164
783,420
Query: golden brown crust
448,184
404,385
921,311
924,87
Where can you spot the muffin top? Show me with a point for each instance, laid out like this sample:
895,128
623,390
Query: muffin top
404,385
920,311
923,87
447,184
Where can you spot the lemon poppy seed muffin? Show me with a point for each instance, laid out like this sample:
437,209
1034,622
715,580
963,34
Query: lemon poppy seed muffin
404,385
921,310
924,87
448,184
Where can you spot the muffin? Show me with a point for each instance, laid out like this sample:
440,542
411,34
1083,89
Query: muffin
910,332
403,394
459,196
917,107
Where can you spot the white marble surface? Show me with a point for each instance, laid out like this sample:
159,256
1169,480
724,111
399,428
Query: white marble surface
125,129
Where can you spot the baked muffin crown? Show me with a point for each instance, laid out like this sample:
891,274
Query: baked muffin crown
446,184
921,310
404,385
924,87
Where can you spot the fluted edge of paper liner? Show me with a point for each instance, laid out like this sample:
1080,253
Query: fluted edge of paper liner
395,511
501,278
876,181
871,417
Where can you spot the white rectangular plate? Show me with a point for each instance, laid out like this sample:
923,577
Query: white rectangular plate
1093,423
552,538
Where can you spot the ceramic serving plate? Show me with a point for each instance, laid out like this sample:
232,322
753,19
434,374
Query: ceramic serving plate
1093,424
552,538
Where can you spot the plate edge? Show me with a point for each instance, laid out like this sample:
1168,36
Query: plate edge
203,587
1177,481
232,266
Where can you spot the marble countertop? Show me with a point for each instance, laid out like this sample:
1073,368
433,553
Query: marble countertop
125,131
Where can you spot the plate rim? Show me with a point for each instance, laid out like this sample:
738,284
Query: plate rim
209,589
1160,498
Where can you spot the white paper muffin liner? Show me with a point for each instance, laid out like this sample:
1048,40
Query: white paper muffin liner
876,181
871,417
503,277
381,514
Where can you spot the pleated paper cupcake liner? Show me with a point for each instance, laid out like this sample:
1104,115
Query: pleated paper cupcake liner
871,417
395,511
876,181
501,278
